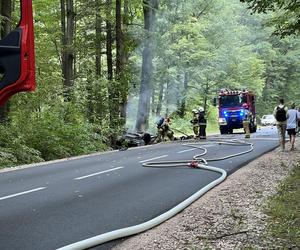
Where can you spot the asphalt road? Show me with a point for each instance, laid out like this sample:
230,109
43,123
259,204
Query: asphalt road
59,203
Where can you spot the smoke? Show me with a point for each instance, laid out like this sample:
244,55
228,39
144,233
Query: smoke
132,109
131,113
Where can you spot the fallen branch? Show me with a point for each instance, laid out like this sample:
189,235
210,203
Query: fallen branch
220,236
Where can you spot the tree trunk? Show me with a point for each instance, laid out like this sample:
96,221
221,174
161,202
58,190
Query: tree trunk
142,123
109,41
121,60
168,98
206,91
97,95
68,30
5,27
113,86
181,110
98,30
153,100
160,99
124,59
119,41
90,93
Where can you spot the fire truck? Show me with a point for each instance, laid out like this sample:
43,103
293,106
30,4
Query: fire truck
233,107
17,59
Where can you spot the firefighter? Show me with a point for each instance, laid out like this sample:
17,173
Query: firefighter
163,130
246,123
167,129
202,123
195,122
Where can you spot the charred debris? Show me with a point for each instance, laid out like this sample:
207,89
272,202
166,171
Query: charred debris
137,139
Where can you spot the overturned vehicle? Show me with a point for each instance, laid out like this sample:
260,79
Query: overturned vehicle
129,139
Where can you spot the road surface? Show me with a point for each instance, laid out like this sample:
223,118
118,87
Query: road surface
59,203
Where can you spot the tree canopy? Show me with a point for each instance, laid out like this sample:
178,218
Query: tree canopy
286,16
106,66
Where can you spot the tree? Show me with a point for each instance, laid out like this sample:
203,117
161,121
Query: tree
122,55
113,89
98,30
287,14
149,7
119,43
97,94
67,40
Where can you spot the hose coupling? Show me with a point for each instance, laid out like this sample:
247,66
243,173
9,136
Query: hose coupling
193,164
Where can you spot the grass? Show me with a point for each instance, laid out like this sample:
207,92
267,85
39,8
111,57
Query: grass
284,210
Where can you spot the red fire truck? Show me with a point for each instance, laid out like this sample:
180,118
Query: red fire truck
233,107
17,62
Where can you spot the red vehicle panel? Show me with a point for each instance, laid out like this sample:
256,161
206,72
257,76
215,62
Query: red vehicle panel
17,59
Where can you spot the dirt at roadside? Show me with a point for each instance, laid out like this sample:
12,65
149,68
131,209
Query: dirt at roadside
231,216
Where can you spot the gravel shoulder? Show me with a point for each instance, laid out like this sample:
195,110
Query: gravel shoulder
230,216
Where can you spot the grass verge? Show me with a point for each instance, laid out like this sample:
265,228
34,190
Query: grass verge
284,210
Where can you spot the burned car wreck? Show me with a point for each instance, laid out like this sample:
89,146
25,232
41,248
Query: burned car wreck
129,139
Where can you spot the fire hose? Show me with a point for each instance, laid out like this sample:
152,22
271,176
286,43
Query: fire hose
197,162
180,132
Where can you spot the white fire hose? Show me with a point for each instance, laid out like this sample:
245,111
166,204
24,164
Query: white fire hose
197,162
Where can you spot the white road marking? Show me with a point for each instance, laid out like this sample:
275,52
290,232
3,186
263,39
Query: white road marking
187,150
102,172
266,139
191,149
25,192
162,156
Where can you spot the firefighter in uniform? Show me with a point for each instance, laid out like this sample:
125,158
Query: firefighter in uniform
163,130
195,122
202,123
246,123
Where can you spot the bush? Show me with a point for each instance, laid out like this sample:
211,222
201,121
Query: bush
47,135
7,158
55,138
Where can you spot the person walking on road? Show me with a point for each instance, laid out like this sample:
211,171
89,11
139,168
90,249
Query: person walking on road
292,124
281,115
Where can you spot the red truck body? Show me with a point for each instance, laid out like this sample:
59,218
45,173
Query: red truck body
233,107
17,60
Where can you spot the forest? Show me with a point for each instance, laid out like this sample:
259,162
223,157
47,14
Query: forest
108,66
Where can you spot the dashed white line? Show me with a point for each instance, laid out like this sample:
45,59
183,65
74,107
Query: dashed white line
102,172
205,145
187,150
162,156
21,193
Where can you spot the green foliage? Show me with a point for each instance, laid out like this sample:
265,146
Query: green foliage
14,151
7,159
287,14
282,74
53,133
283,210
200,47
59,132
184,125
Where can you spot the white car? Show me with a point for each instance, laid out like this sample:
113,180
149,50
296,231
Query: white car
268,120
